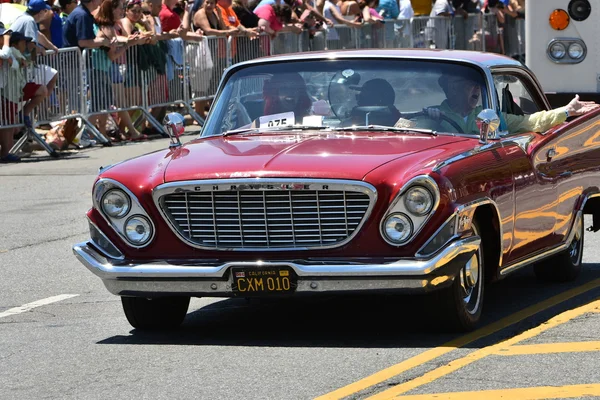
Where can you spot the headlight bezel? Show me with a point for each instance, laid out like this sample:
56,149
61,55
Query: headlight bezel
566,43
127,198
142,218
408,221
398,206
104,186
419,188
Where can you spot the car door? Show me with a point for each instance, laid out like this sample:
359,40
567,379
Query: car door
576,155
535,180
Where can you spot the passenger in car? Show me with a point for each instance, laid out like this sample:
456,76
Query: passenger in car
462,105
375,93
287,92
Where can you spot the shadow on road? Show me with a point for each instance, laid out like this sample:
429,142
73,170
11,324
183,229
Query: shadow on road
357,321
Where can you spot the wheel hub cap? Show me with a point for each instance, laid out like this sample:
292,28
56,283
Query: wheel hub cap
471,272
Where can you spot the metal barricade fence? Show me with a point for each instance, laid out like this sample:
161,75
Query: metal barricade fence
467,32
341,37
61,73
205,61
288,42
11,95
514,37
124,84
437,32
244,48
89,83
163,83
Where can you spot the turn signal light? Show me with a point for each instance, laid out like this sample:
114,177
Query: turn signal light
559,19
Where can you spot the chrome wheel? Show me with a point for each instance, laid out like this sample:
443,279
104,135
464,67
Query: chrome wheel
566,265
458,307
575,248
470,284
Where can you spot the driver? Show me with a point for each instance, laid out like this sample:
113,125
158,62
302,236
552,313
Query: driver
463,93
379,93
286,93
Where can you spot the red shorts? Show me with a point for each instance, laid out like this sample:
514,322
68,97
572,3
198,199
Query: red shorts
9,110
29,90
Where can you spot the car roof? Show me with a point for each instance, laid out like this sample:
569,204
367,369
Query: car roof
482,59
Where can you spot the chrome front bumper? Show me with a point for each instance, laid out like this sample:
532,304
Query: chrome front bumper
195,279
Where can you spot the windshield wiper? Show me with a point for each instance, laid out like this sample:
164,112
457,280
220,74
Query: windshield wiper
275,129
384,128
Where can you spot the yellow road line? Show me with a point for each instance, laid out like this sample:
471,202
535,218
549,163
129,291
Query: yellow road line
546,348
481,353
532,393
461,341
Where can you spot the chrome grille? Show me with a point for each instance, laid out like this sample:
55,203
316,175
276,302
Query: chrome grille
266,219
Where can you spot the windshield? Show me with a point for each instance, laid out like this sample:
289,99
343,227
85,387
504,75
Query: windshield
341,93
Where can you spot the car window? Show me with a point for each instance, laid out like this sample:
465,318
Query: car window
334,93
513,95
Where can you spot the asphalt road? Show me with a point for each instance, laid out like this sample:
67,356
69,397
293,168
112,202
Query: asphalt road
62,335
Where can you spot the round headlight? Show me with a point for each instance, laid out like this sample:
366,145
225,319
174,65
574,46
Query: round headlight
138,230
558,51
418,201
398,228
575,50
116,203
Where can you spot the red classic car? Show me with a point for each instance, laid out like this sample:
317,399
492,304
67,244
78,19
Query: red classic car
352,171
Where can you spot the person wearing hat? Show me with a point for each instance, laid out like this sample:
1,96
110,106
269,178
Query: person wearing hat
375,93
463,89
14,90
27,23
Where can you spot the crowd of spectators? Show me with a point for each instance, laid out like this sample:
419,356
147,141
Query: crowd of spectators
133,48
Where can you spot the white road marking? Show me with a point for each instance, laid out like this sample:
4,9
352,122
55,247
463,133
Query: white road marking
39,303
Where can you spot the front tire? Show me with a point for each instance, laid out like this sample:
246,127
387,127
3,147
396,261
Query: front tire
156,313
566,265
459,306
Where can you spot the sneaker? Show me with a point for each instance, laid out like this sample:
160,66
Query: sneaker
10,158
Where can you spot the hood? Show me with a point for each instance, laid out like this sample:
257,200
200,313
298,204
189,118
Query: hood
308,155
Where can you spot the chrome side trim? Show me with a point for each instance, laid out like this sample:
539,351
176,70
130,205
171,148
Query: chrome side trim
548,253
122,257
108,269
468,209
522,141
105,184
263,184
397,206
476,150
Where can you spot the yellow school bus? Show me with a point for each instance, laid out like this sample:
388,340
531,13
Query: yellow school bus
563,47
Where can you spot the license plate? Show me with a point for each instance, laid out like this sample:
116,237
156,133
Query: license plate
263,280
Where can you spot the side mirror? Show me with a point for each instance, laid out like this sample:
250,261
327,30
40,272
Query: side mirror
174,125
488,123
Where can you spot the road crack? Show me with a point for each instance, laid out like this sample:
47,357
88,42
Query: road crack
44,242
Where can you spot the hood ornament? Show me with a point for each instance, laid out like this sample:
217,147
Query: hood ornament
174,125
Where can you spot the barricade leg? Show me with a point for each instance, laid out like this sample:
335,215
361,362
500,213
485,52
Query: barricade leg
31,134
